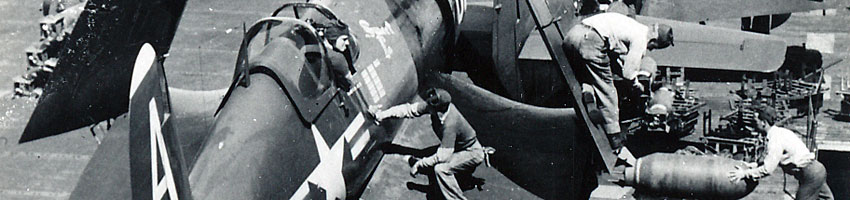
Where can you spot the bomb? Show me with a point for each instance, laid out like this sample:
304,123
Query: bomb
689,176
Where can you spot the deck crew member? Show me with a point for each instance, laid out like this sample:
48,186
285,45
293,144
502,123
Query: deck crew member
591,46
459,149
785,149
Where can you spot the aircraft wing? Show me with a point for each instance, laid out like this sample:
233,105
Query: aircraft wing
706,47
701,10
523,135
90,81
700,46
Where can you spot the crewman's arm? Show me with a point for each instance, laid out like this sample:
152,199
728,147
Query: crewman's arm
631,62
407,110
444,152
771,160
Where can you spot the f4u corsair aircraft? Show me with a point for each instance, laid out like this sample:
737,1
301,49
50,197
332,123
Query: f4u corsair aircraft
286,128
290,127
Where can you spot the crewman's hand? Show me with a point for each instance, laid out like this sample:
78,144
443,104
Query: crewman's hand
637,85
373,114
415,169
737,174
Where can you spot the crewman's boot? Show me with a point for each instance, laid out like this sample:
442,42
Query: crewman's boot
627,156
617,140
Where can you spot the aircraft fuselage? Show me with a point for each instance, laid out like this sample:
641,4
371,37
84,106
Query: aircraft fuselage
268,142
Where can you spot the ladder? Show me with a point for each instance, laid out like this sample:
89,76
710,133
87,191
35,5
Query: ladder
551,31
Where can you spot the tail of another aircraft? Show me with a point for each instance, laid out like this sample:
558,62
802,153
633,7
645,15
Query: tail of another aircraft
157,168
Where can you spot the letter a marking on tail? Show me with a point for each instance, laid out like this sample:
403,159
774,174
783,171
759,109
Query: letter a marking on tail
160,187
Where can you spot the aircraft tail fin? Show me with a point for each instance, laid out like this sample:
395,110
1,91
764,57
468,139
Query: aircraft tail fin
157,166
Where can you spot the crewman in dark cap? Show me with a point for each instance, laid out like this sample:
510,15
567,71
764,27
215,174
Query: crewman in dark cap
459,149
598,40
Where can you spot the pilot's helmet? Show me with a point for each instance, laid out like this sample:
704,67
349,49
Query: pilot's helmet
438,98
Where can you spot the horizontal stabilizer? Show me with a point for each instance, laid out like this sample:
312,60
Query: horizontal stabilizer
107,175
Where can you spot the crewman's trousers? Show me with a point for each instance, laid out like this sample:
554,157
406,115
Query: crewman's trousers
585,44
465,160
812,182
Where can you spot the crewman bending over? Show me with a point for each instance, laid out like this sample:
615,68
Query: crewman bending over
785,149
591,46
459,149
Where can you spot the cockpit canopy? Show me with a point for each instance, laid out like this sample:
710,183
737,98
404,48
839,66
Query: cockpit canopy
291,46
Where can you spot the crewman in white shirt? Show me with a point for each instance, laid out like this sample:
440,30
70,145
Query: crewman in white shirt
591,46
785,149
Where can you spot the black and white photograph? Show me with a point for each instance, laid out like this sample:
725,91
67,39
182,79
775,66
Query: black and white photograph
425,99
